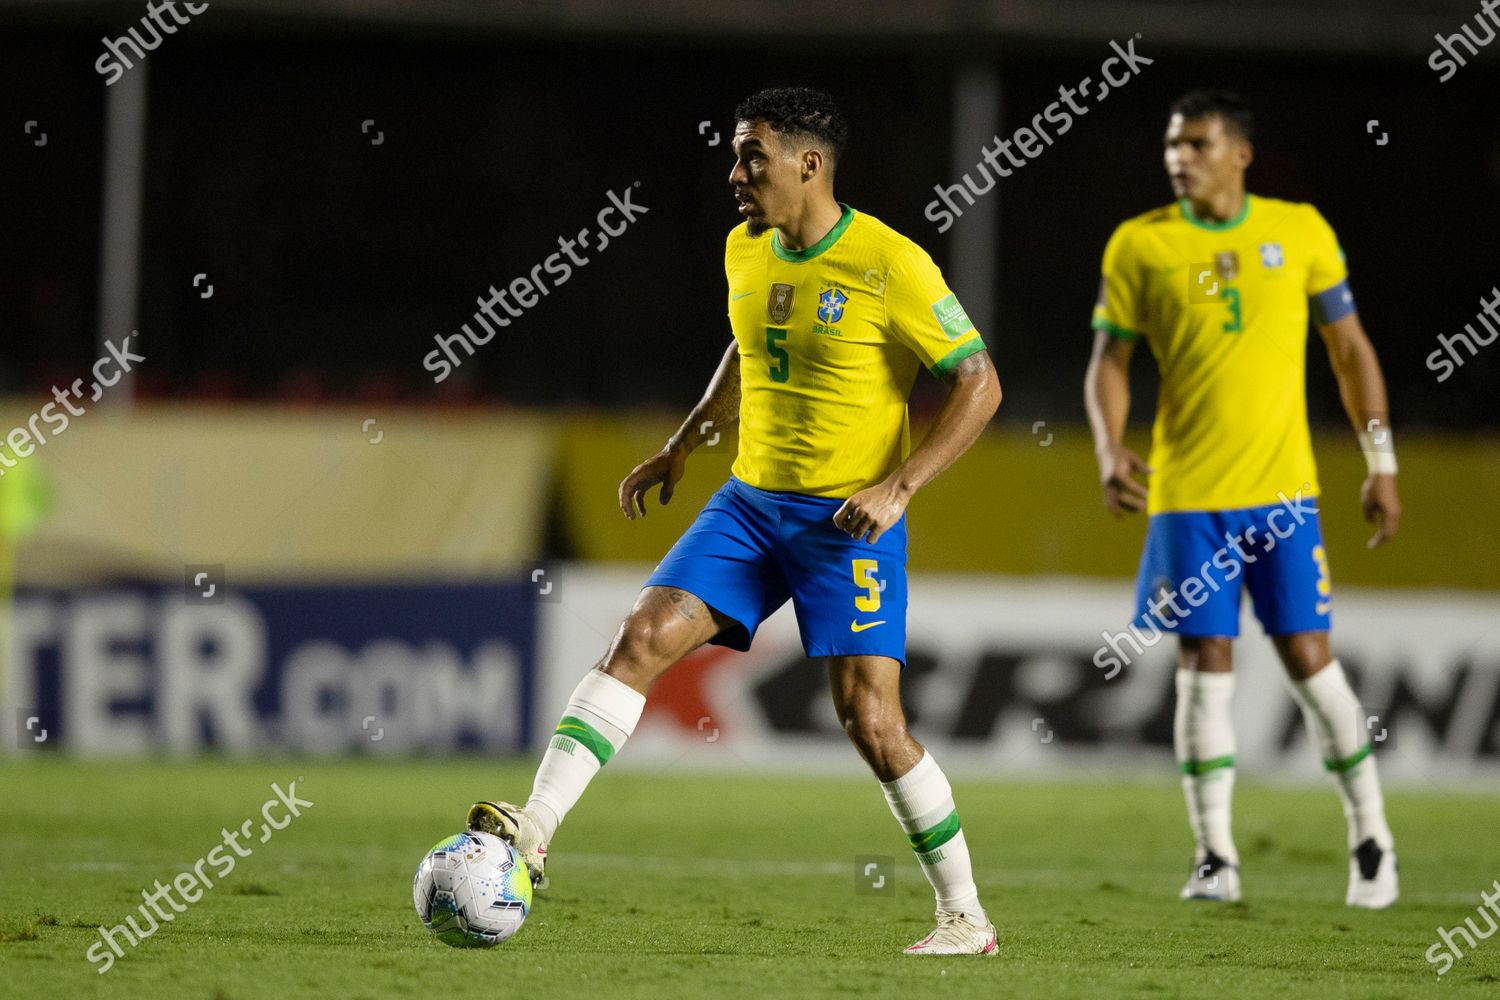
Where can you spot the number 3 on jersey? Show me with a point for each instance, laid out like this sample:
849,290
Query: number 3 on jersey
1232,300
781,361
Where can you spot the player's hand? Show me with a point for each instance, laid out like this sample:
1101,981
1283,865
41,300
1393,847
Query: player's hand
872,511
665,467
1382,507
1122,492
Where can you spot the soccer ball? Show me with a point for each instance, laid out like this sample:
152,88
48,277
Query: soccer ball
472,890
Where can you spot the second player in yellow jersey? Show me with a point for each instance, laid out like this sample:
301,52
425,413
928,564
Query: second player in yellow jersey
1220,285
1224,308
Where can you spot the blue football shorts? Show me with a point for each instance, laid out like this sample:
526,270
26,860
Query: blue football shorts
1197,563
750,550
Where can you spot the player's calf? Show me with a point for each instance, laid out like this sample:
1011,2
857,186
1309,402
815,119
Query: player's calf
1203,739
601,715
1332,715
665,625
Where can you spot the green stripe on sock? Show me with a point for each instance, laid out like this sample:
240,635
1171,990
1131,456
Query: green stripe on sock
577,729
936,835
1334,764
1204,766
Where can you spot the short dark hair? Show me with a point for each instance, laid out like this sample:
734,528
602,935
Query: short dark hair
799,111
1224,103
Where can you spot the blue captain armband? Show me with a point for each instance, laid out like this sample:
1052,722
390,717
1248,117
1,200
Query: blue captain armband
1334,304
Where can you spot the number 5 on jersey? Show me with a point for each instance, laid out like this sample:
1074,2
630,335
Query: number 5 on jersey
781,361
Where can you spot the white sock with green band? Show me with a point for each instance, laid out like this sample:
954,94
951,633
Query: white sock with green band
922,801
599,718
1203,737
1332,713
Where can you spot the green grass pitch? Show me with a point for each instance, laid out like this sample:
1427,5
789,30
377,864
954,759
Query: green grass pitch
719,885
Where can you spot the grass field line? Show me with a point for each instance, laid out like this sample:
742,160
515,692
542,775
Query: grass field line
1030,877
760,867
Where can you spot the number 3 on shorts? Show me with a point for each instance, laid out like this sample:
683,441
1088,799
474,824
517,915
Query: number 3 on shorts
864,577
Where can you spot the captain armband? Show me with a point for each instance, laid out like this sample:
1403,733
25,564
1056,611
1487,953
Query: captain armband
1333,304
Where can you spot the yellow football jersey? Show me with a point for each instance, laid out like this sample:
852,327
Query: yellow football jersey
1224,309
830,339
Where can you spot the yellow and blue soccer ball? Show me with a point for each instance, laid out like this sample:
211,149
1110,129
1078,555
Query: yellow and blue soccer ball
472,890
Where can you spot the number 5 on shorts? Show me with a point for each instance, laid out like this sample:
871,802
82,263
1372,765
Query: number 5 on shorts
864,576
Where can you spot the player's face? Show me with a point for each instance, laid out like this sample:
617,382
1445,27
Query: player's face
1203,157
766,177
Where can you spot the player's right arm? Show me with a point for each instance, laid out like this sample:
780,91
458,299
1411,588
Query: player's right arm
1106,396
716,412
1106,385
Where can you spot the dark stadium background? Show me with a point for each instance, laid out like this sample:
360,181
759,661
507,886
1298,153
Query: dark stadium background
335,262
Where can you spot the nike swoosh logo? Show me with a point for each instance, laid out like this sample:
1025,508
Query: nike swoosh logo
1324,607
739,295
855,626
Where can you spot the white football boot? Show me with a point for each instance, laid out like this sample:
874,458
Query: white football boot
1372,877
514,825
958,934
1214,879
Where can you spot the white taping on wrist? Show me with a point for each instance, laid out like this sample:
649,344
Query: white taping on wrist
1379,447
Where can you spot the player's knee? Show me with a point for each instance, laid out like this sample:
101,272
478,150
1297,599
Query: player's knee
638,652
873,728
1211,654
1304,655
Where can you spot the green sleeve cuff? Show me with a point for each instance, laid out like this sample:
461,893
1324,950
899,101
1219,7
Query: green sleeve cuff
949,361
1113,330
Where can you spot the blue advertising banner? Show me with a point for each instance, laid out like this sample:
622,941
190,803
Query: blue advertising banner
308,669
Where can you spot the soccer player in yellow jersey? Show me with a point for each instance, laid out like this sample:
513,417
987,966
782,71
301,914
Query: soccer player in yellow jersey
833,313
1218,286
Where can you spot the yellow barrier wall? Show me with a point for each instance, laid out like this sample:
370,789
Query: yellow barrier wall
1012,505
277,494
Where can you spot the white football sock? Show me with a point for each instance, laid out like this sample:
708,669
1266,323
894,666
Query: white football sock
922,801
1332,713
600,716
1203,737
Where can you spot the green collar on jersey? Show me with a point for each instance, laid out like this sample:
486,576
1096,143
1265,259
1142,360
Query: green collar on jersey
798,256
1215,227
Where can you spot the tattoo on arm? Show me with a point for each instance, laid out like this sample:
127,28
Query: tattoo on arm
686,604
719,408
972,365
723,404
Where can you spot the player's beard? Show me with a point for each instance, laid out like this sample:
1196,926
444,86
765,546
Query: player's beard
756,227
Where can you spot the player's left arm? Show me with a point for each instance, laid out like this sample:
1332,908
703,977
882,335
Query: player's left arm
973,397
1362,389
1361,384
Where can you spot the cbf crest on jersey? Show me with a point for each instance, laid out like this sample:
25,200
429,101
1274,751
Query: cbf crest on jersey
779,304
831,305
1227,264
1271,255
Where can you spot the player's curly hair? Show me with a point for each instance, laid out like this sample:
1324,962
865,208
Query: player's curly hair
799,111
1224,103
